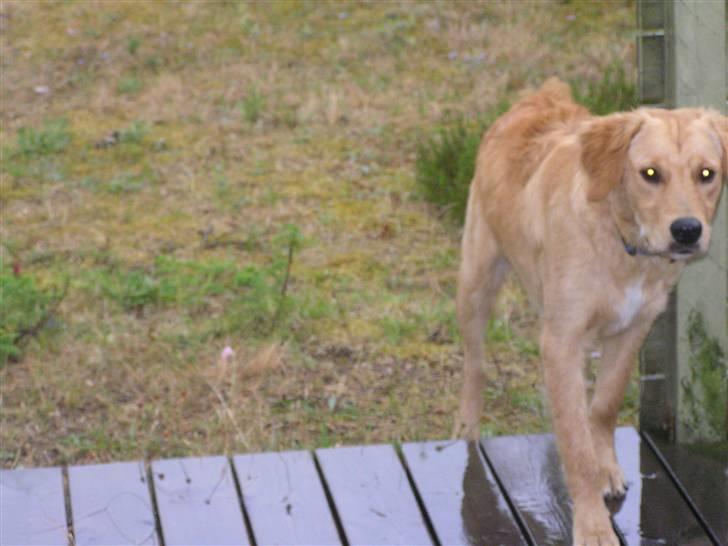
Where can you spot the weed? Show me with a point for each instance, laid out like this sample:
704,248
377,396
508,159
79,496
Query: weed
445,162
129,85
24,310
251,107
132,44
135,133
499,331
53,138
395,329
256,298
153,63
616,91
125,183
222,186
133,290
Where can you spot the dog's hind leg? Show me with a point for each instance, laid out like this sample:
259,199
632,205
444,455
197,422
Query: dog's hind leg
482,271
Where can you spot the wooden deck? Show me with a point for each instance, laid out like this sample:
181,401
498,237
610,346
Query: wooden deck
505,490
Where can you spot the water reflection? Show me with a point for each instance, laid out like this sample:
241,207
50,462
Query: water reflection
475,482
653,512
461,497
530,469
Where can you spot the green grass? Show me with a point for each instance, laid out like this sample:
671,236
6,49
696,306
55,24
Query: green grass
129,85
134,133
255,298
251,107
25,310
615,91
52,138
446,162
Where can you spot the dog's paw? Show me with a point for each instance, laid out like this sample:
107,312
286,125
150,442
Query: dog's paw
594,529
465,431
614,486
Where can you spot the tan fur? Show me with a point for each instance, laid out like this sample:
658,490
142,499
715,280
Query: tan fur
556,195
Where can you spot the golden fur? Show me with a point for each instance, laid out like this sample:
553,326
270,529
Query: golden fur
560,196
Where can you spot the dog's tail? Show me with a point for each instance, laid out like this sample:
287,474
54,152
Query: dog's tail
556,88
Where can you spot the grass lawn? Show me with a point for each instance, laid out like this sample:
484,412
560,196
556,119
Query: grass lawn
179,178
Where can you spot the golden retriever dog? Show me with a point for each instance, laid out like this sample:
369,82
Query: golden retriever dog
597,216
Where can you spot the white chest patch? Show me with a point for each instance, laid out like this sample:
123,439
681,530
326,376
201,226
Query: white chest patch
630,306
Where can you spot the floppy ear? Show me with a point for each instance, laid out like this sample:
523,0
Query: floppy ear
604,145
720,124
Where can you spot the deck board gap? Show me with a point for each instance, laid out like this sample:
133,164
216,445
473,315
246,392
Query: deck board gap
155,506
681,489
67,505
241,497
330,500
525,531
418,498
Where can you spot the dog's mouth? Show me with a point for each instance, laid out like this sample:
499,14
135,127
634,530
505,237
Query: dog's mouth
676,251
679,251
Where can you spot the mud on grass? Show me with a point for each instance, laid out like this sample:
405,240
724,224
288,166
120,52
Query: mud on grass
162,158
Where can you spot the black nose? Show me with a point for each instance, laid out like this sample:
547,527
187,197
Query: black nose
686,231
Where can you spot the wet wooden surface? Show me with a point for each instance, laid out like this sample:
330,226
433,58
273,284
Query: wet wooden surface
283,495
529,469
373,496
641,516
111,504
32,509
460,494
197,502
702,473
501,491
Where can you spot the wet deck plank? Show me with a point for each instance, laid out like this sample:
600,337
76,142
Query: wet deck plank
32,507
372,495
197,502
284,499
111,504
702,472
528,467
460,494
530,470
641,515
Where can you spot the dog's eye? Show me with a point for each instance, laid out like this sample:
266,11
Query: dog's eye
706,175
651,175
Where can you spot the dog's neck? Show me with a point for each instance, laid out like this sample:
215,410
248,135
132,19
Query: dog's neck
625,224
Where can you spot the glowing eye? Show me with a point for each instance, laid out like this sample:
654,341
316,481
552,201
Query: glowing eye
650,174
706,175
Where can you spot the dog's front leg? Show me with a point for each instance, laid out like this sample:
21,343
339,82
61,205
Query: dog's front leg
618,359
563,368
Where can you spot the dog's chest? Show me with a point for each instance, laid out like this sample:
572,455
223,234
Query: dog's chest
628,307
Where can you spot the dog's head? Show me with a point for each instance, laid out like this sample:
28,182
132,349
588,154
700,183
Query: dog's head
662,172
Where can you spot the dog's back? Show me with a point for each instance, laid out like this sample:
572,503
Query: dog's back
517,143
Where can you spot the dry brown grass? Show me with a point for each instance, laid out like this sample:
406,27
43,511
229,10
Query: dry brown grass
258,115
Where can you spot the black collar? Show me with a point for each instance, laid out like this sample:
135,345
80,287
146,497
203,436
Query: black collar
630,249
633,250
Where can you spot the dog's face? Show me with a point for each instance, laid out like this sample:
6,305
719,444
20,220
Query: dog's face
673,164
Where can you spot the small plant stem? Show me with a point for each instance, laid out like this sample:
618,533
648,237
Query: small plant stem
284,288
